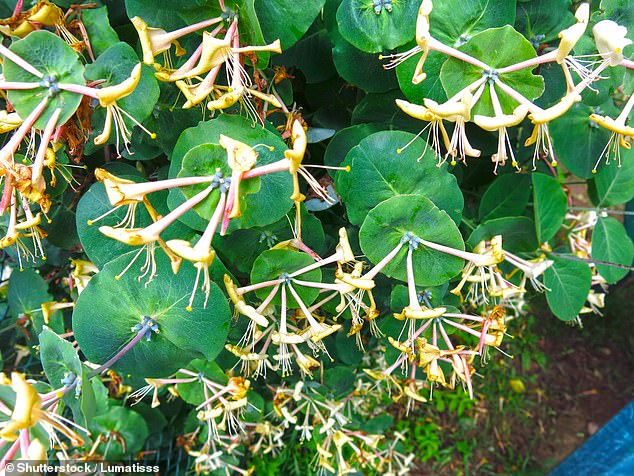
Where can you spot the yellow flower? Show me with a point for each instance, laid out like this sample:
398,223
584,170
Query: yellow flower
571,35
153,40
109,95
241,306
9,121
26,412
50,308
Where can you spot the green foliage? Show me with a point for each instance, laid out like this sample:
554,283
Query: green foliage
363,201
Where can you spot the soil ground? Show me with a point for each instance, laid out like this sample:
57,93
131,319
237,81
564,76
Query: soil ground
581,380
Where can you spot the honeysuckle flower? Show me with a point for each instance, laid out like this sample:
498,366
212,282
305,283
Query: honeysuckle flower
50,308
426,43
213,53
292,162
241,306
571,35
108,97
150,234
198,92
610,39
82,272
156,40
621,136
531,270
201,254
240,158
500,122
32,409
9,121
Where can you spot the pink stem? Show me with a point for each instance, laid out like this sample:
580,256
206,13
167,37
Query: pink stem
9,454
278,166
434,44
18,85
552,56
11,56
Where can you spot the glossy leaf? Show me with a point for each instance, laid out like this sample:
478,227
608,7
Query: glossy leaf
50,55
455,21
611,244
568,283
108,308
271,264
287,20
550,203
378,172
497,47
390,220
361,26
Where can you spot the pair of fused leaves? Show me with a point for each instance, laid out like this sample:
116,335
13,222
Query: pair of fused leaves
108,309
390,194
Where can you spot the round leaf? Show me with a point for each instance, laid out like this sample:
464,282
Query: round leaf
385,226
50,55
379,172
361,26
271,264
496,47
108,308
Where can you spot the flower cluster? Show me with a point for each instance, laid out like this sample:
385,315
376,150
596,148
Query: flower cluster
610,41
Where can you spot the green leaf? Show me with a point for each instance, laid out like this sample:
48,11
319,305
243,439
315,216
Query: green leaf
361,69
27,291
379,172
193,393
615,185
361,26
390,220
497,47
267,206
271,264
568,283
578,141
161,13
100,33
455,21
50,55
518,233
540,21
610,243
619,11
506,196
93,204
287,20
550,203
59,358
344,140
127,425
431,87
108,308
242,247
